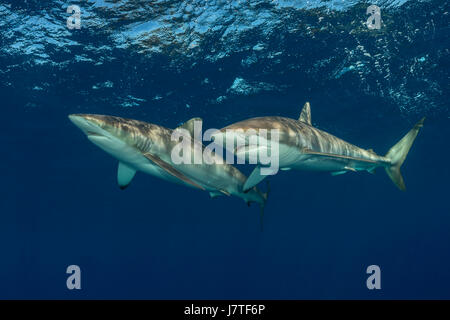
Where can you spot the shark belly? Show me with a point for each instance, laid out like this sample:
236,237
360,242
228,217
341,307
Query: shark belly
334,162
130,156
308,163
288,156
210,176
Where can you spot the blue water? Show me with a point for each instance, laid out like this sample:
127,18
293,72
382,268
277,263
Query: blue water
168,61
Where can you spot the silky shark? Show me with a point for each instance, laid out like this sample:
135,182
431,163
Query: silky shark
146,147
301,146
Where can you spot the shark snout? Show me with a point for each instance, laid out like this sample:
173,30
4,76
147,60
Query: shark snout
86,124
76,118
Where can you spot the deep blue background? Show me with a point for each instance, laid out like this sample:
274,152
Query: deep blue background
60,204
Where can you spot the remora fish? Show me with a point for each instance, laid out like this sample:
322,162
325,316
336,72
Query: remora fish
304,147
141,146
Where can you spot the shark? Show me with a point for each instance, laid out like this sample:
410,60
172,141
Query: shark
301,146
146,147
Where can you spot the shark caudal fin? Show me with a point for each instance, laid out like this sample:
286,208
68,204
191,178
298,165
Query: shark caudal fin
261,212
262,203
397,154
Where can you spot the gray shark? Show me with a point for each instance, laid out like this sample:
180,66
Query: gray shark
301,146
146,147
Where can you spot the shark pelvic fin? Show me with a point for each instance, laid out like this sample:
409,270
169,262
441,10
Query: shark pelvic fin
124,175
347,169
336,173
225,192
189,125
305,115
214,194
171,170
254,178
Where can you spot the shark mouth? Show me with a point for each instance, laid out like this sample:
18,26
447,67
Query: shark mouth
92,133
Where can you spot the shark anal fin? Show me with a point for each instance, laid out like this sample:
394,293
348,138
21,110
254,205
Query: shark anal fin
254,178
124,175
171,170
305,115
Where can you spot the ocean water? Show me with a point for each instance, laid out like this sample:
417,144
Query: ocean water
165,62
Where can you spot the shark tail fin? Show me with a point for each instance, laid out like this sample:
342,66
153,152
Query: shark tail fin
261,212
261,218
397,155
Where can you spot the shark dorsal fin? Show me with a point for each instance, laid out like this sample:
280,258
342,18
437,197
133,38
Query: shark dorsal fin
305,115
189,125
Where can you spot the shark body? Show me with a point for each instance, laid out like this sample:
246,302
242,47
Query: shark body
146,147
301,146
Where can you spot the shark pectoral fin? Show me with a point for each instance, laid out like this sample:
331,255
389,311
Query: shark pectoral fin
285,169
214,194
350,169
254,178
171,170
124,175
